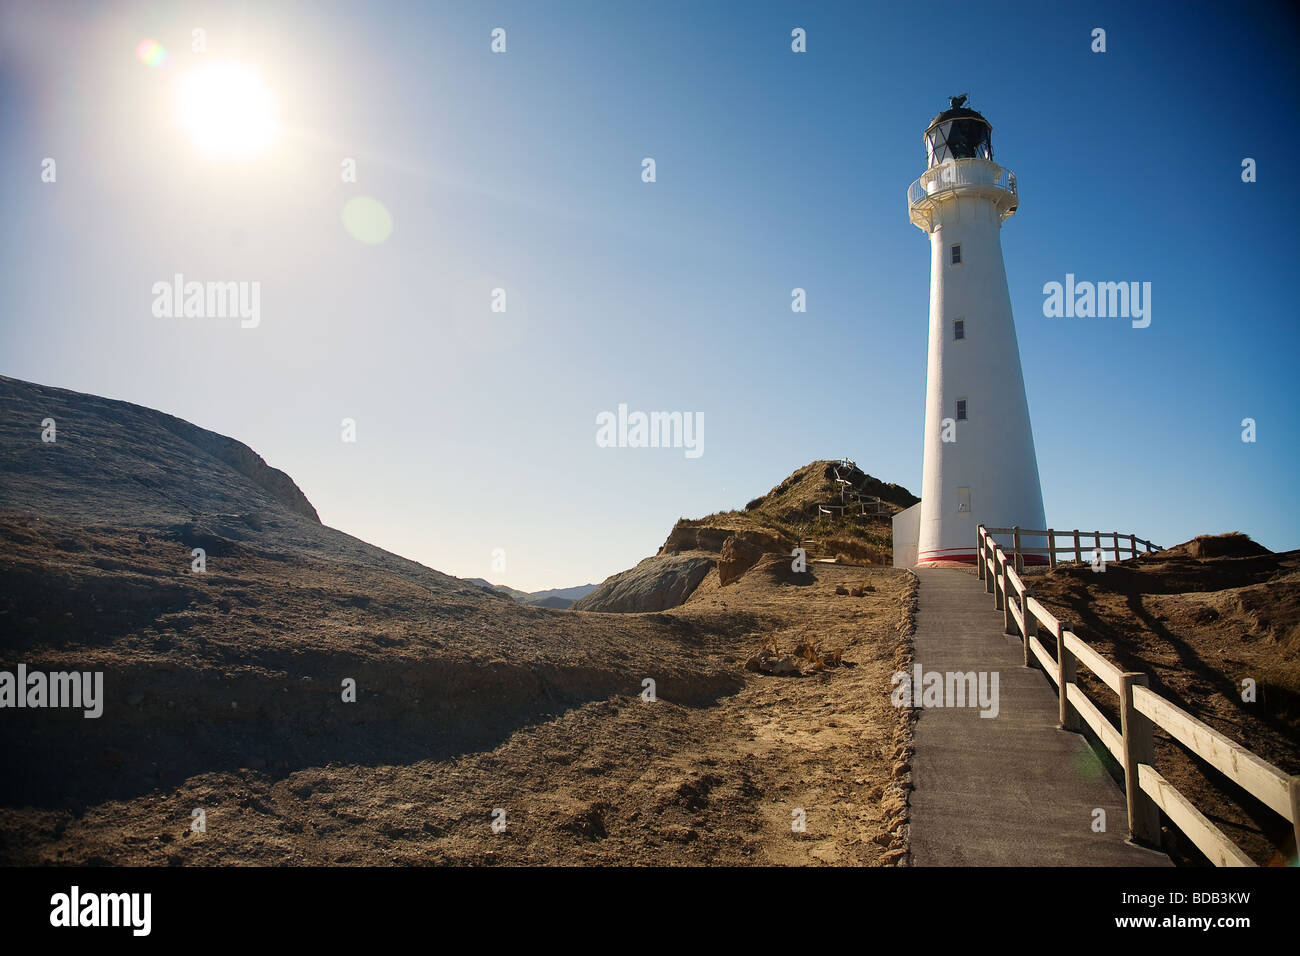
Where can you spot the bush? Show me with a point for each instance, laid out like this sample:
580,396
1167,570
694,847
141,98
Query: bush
1231,545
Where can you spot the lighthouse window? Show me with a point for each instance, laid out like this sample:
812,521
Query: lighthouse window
961,409
959,328
956,254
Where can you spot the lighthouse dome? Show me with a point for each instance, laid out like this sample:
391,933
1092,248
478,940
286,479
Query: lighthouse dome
959,132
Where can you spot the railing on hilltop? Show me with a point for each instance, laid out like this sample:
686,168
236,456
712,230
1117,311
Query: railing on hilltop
1141,710
851,496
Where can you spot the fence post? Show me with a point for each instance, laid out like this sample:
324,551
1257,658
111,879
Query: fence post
1139,748
1295,807
1019,558
1000,585
983,561
1008,622
1078,551
979,553
1133,544
1117,557
1031,622
1065,676
1051,548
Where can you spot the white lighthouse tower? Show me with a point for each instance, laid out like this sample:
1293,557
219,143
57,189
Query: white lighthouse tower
979,466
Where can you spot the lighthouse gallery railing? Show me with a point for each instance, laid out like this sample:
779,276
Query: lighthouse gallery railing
969,175
953,175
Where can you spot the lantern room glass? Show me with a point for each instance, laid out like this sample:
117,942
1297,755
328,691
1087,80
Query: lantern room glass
963,138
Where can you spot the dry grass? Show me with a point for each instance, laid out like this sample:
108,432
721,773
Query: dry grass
1234,544
789,511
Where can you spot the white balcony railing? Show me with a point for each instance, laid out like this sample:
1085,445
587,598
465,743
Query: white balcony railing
979,177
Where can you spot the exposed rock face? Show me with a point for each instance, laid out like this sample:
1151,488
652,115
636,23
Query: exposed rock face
687,536
656,584
671,576
245,461
742,551
158,465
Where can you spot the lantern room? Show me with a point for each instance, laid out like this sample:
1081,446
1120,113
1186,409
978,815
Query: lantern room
958,133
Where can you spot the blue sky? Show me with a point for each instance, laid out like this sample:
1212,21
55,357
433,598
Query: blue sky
775,170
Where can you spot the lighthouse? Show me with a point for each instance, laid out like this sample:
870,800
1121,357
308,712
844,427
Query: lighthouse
979,465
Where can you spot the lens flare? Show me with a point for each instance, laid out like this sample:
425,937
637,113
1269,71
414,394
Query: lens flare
367,220
151,53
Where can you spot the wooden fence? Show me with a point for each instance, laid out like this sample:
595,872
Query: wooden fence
1078,544
1141,711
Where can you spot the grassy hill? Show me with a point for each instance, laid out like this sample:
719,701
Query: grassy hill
720,547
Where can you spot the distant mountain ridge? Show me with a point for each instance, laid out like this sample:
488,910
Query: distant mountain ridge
556,598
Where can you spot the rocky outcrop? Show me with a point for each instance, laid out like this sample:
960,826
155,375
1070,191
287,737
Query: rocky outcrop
656,584
689,536
742,551
153,465
245,461
671,576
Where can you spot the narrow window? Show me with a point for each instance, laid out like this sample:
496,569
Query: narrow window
961,409
956,254
959,328
963,499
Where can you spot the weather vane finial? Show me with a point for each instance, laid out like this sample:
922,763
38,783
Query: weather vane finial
957,102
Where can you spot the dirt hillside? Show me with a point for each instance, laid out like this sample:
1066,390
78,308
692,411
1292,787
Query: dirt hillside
224,689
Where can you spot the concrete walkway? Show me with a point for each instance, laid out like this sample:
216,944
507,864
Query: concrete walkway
1010,790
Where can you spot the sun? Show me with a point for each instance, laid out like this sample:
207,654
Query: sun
228,110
